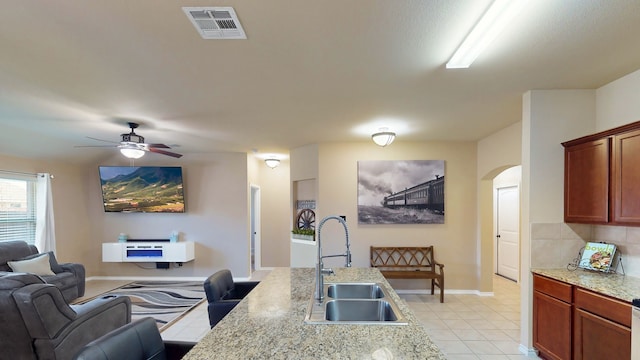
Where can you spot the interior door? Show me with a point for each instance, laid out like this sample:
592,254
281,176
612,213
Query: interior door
255,229
508,234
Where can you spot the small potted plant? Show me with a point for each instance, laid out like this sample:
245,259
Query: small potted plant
303,234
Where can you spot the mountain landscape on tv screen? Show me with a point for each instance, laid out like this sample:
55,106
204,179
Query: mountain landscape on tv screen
146,189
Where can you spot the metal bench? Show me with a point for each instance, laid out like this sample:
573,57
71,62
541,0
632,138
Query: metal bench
409,263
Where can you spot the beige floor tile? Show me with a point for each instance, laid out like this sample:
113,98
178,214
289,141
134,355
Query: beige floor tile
496,334
462,357
483,347
509,347
469,334
450,347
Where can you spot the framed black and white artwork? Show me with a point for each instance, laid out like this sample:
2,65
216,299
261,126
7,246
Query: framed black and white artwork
401,192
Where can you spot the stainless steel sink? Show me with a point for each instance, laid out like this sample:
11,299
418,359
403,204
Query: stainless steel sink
354,303
355,291
359,310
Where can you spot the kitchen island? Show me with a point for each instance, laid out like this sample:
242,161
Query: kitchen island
269,324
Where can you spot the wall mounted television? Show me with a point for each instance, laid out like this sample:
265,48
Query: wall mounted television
148,189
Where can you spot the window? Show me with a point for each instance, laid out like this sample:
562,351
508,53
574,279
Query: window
18,209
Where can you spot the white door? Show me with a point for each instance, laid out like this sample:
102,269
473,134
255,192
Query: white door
508,237
255,228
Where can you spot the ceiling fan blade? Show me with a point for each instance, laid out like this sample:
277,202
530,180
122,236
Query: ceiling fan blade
155,150
162,146
94,146
92,138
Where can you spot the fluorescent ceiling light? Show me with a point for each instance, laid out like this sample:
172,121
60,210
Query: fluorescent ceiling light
485,31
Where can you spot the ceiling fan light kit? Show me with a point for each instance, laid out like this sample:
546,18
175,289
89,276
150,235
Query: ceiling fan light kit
132,145
132,153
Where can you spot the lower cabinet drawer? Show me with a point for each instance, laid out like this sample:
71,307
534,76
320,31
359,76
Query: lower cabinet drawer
611,309
553,288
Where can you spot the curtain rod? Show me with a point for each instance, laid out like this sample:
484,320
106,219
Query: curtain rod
21,173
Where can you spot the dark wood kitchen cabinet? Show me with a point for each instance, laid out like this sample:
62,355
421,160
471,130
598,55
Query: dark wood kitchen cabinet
570,322
602,327
586,181
602,177
626,178
551,318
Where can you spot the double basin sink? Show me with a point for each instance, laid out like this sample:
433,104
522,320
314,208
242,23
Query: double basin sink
354,303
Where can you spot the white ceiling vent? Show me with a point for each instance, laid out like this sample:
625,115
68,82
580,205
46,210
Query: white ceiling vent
215,22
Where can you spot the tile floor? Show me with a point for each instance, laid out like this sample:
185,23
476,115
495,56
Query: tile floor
465,327
471,327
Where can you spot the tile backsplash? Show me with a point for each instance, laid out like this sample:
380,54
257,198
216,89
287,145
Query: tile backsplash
555,245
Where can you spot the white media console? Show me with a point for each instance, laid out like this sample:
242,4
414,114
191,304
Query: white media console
148,251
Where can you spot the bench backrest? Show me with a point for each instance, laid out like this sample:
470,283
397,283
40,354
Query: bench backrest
402,257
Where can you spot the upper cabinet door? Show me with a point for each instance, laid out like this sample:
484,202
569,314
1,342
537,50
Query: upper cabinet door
626,178
586,182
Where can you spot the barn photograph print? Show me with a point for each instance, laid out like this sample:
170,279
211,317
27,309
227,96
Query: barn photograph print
401,192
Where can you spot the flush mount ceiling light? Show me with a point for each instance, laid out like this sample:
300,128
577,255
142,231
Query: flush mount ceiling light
486,30
132,152
384,137
272,162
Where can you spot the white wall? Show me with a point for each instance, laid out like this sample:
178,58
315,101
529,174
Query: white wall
550,117
618,102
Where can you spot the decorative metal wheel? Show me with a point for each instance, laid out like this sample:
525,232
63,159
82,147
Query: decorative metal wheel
306,219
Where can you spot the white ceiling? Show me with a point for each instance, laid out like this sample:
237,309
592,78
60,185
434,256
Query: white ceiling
309,71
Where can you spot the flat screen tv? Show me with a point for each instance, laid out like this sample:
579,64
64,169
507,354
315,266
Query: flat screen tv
148,189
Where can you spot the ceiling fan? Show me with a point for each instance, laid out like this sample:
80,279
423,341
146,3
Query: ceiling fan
133,146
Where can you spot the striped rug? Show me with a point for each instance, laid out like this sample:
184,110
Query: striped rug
165,301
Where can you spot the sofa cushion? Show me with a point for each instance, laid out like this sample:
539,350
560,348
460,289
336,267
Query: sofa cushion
14,250
63,280
38,265
53,262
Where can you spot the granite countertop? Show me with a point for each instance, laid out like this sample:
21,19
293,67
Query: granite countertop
621,287
269,324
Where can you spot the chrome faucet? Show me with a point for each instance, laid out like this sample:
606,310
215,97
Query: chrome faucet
320,270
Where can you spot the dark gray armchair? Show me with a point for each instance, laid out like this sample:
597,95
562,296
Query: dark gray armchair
37,322
223,294
68,277
139,340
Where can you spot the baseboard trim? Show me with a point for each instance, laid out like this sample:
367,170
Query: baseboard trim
528,352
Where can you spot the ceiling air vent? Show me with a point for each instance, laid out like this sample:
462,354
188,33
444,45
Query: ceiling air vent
215,22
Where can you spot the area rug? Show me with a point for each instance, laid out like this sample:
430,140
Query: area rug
165,301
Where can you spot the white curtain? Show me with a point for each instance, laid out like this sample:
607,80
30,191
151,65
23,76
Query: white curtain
45,227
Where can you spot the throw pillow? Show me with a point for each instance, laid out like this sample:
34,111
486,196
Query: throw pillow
37,266
53,262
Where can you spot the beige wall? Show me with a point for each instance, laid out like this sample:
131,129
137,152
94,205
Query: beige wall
68,189
496,153
275,214
454,241
216,218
